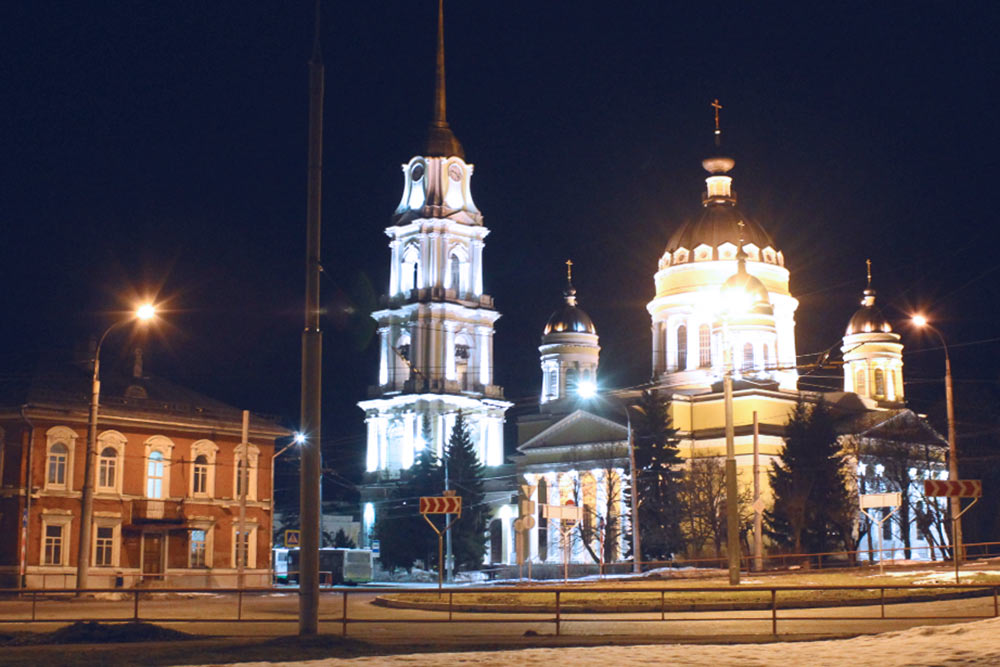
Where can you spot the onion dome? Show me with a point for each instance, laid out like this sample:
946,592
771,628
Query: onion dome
569,318
868,318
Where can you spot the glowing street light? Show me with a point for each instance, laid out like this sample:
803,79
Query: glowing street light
586,389
955,503
143,313
297,439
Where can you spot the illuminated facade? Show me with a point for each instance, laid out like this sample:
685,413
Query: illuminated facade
873,354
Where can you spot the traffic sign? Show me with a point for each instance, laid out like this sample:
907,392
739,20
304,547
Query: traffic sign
441,504
527,522
880,500
526,507
562,512
526,490
291,538
518,524
960,488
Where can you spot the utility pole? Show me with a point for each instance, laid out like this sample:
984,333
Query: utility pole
449,559
312,359
732,509
636,541
758,509
242,544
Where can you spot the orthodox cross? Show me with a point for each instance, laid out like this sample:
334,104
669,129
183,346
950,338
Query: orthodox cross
715,105
569,271
868,263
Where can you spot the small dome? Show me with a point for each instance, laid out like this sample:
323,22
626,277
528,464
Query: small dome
746,293
570,319
868,318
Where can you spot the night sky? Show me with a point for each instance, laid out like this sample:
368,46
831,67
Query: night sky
160,148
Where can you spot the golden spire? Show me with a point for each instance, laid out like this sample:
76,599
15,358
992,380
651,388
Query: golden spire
570,292
868,263
569,272
441,142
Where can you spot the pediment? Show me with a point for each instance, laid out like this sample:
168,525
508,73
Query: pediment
577,428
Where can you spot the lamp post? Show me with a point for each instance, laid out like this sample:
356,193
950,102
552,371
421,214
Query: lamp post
732,509
144,313
954,502
636,541
297,440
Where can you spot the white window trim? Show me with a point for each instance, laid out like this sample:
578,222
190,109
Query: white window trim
208,449
65,521
115,523
116,441
251,529
165,446
67,437
253,454
207,525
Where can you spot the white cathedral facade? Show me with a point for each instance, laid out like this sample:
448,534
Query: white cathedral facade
722,303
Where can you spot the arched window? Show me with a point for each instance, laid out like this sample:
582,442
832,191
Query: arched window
496,541
682,347
107,469
704,346
766,349
543,523
455,264
58,455
410,275
571,381
154,475
199,476
860,386
747,356
879,382
250,478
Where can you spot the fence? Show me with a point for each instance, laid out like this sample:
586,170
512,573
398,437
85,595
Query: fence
62,606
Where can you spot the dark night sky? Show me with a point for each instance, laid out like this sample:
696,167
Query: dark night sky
161,146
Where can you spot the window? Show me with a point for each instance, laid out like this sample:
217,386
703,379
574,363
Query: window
543,523
245,546
704,346
104,547
571,380
682,348
198,549
154,475
879,382
250,477
859,382
52,551
455,266
767,356
241,478
107,469
747,357
199,476
58,455
410,278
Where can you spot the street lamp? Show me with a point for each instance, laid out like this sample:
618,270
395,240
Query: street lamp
955,503
143,313
298,439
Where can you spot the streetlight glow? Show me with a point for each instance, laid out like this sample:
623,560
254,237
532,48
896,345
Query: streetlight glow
146,312
919,320
300,438
586,389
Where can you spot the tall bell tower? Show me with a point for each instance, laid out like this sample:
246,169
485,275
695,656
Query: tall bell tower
436,327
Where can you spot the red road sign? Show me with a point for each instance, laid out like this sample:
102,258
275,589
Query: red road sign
961,488
441,504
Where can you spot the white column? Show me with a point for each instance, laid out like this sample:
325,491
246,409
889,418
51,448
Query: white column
477,267
407,454
382,427
384,356
485,354
449,351
371,459
658,357
426,276
394,268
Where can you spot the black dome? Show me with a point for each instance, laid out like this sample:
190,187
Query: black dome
718,224
570,319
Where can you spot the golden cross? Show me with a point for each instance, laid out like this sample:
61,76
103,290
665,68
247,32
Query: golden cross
715,104
569,271
868,263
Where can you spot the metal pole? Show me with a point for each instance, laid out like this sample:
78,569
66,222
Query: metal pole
758,514
955,501
312,360
242,544
732,509
636,541
449,559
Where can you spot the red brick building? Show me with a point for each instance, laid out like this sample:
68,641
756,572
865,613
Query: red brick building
167,497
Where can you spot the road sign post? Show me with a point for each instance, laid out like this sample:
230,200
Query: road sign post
449,503
869,500
567,515
291,538
955,488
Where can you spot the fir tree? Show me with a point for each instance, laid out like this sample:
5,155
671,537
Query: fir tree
403,534
659,477
465,472
812,502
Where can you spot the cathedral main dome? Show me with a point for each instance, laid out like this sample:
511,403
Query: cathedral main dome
569,319
718,224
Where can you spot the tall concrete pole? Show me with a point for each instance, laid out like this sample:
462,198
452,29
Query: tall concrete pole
758,522
636,541
244,476
732,508
956,502
312,360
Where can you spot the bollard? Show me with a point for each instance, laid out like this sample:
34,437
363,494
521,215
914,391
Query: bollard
557,614
882,602
450,598
135,604
239,605
774,612
343,616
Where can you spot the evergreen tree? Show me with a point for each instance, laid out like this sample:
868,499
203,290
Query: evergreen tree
465,472
812,501
403,533
659,477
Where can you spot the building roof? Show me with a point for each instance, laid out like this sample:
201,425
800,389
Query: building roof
718,224
868,318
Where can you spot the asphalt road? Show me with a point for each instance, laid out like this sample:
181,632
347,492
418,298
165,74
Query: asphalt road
275,614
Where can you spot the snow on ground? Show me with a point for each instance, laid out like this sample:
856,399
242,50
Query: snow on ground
975,643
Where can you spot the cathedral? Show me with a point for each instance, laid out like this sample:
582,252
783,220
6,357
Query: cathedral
722,303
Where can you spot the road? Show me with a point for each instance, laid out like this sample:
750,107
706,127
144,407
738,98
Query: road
275,613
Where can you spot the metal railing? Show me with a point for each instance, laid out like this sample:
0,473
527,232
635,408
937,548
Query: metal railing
46,606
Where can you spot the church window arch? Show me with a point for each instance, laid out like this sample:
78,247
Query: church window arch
202,481
747,356
766,352
572,380
682,334
60,443
704,346
879,382
460,359
859,382
458,262
410,276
